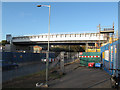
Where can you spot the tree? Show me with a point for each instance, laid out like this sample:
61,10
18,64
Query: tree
67,48
3,42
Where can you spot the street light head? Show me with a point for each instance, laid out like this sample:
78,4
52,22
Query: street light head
39,5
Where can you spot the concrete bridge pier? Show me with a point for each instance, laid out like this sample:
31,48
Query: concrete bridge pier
86,47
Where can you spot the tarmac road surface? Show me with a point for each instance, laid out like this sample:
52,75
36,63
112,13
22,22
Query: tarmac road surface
83,77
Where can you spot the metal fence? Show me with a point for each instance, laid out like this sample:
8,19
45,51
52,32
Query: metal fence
110,60
27,66
66,56
24,57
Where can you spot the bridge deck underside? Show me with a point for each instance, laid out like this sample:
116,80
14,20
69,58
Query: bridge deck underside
58,43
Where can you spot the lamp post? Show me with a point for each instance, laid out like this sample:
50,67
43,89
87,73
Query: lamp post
47,55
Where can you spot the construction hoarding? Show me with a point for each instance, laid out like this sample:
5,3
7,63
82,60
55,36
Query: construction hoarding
110,58
89,57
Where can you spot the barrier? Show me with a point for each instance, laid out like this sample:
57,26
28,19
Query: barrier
50,60
19,57
110,57
88,57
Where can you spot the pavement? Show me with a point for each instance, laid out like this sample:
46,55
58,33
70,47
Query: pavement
82,77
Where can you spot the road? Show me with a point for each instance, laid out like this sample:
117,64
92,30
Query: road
75,77
83,77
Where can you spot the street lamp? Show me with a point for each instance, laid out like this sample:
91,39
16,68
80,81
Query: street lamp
47,55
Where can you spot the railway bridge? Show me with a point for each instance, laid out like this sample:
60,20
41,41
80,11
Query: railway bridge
57,39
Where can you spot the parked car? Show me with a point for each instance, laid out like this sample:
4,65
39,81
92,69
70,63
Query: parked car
6,65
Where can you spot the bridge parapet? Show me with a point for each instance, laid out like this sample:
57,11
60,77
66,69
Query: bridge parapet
60,37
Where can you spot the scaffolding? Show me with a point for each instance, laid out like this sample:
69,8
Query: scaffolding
108,32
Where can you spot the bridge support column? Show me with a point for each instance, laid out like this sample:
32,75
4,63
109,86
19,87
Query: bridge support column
86,47
12,47
69,52
67,55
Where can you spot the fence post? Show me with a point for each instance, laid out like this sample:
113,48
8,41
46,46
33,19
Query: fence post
78,55
62,62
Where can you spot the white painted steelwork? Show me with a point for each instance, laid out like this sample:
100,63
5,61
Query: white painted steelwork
60,37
